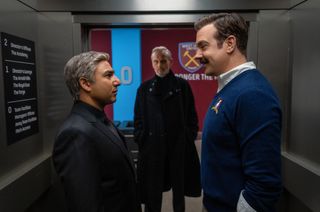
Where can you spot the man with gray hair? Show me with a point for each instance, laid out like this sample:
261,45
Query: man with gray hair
165,128
90,154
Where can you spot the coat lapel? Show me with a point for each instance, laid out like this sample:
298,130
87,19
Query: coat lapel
118,141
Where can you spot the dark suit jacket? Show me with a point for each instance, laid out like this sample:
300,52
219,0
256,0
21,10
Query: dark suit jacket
94,164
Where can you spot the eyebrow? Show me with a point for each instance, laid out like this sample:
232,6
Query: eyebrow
201,43
110,70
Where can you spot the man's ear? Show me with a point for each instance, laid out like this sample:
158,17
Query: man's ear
85,84
231,43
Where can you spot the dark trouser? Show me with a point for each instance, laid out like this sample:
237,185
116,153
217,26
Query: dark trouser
154,205
154,197
154,200
178,202
176,177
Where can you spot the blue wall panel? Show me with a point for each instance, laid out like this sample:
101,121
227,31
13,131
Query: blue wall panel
126,61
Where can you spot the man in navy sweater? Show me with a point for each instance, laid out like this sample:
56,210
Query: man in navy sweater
240,159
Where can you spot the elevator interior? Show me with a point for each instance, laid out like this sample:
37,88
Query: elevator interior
283,44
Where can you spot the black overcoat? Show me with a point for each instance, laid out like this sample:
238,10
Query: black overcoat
166,127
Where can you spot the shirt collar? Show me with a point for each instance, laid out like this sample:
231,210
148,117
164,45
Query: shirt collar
225,78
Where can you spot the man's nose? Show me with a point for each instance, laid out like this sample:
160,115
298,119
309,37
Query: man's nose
198,55
116,81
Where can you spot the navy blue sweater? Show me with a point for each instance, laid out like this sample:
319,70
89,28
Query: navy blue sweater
241,145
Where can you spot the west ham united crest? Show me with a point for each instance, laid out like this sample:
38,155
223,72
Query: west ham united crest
187,53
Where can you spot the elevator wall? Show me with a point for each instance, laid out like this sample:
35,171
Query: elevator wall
25,166
301,160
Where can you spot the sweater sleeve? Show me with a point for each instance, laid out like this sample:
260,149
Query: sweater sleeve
258,125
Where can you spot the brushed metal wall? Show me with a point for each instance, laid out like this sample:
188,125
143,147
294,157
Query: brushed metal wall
23,157
288,53
18,21
302,158
305,119
56,47
25,166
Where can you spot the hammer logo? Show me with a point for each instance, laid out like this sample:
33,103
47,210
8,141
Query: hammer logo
187,54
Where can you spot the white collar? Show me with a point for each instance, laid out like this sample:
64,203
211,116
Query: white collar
225,78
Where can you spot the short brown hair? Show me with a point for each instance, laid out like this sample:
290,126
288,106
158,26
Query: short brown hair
227,24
